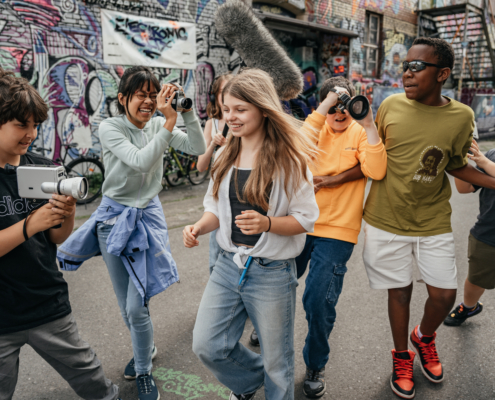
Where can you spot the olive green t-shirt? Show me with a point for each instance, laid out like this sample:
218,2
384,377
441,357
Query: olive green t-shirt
422,142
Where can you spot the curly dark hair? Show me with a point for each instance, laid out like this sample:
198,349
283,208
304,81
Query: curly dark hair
443,50
19,100
336,81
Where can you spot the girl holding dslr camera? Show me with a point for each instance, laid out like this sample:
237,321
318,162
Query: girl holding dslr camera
130,224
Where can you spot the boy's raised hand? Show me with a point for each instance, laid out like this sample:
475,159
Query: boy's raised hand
369,126
366,122
330,100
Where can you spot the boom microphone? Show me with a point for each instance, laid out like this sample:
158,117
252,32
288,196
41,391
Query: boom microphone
241,29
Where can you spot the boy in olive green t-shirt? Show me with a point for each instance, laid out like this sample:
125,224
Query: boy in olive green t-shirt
408,212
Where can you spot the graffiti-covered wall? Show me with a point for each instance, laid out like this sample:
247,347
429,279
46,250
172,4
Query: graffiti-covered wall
398,30
57,46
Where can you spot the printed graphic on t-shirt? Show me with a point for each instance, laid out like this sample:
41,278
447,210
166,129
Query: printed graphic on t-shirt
19,206
430,159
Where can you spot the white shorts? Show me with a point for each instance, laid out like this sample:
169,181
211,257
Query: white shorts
388,259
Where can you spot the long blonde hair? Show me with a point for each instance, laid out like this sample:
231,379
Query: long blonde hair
286,150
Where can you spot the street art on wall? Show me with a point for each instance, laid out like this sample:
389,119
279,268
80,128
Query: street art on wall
134,40
58,47
395,48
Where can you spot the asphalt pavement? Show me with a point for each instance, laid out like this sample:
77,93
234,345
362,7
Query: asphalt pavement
360,361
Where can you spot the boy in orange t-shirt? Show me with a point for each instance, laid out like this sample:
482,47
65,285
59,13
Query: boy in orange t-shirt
351,151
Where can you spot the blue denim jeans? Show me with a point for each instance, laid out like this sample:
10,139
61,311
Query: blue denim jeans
135,315
215,250
323,287
267,296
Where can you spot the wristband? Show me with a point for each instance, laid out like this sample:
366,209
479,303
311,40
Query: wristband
270,224
24,231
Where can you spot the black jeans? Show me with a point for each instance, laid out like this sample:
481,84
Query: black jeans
323,287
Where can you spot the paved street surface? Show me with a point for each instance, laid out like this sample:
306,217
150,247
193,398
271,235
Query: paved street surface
360,363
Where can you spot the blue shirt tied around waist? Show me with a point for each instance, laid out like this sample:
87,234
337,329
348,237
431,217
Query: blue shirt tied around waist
139,238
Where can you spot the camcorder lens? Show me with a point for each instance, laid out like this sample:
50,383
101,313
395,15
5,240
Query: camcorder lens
75,187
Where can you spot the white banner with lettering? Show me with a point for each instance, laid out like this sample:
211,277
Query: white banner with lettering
134,40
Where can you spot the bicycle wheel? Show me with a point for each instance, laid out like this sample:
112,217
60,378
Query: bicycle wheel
172,173
196,177
91,169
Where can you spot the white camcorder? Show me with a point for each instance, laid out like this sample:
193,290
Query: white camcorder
41,181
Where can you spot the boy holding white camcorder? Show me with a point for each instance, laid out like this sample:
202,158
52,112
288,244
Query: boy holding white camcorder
34,298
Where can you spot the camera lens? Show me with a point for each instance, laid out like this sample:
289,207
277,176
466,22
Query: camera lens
185,103
358,107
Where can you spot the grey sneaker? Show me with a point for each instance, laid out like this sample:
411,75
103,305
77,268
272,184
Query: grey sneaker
130,372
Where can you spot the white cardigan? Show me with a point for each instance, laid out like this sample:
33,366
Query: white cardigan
301,205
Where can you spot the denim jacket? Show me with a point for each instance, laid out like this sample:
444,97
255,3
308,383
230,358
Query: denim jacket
139,238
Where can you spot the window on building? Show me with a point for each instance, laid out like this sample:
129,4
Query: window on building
371,45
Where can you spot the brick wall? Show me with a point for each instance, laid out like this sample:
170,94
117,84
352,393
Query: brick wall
398,31
56,45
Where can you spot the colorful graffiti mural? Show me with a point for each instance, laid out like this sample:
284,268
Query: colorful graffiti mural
57,46
395,47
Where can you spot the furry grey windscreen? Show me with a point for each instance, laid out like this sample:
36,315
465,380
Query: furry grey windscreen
238,25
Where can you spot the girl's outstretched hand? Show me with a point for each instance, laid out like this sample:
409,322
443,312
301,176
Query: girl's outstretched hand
190,236
478,157
251,222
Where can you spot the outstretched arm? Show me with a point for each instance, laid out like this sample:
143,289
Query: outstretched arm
471,175
463,187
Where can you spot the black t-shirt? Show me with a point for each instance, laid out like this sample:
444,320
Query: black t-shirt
237,207
33,291
484,229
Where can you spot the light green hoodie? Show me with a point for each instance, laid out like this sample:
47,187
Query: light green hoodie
133,157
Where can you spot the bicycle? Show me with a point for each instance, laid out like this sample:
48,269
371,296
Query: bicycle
179,166
88,166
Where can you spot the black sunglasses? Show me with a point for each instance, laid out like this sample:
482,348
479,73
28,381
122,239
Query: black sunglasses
415,66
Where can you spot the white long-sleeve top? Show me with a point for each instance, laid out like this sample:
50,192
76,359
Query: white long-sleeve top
301,204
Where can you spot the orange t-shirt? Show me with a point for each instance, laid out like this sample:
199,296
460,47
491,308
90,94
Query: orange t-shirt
341,208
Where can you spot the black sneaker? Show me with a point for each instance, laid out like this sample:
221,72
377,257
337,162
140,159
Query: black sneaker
254,339
147,389
461,313
314,383
130,372
234,396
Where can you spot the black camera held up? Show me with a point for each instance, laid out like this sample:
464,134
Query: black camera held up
358,106
180,102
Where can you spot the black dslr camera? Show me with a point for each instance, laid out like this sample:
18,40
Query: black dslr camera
358,106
